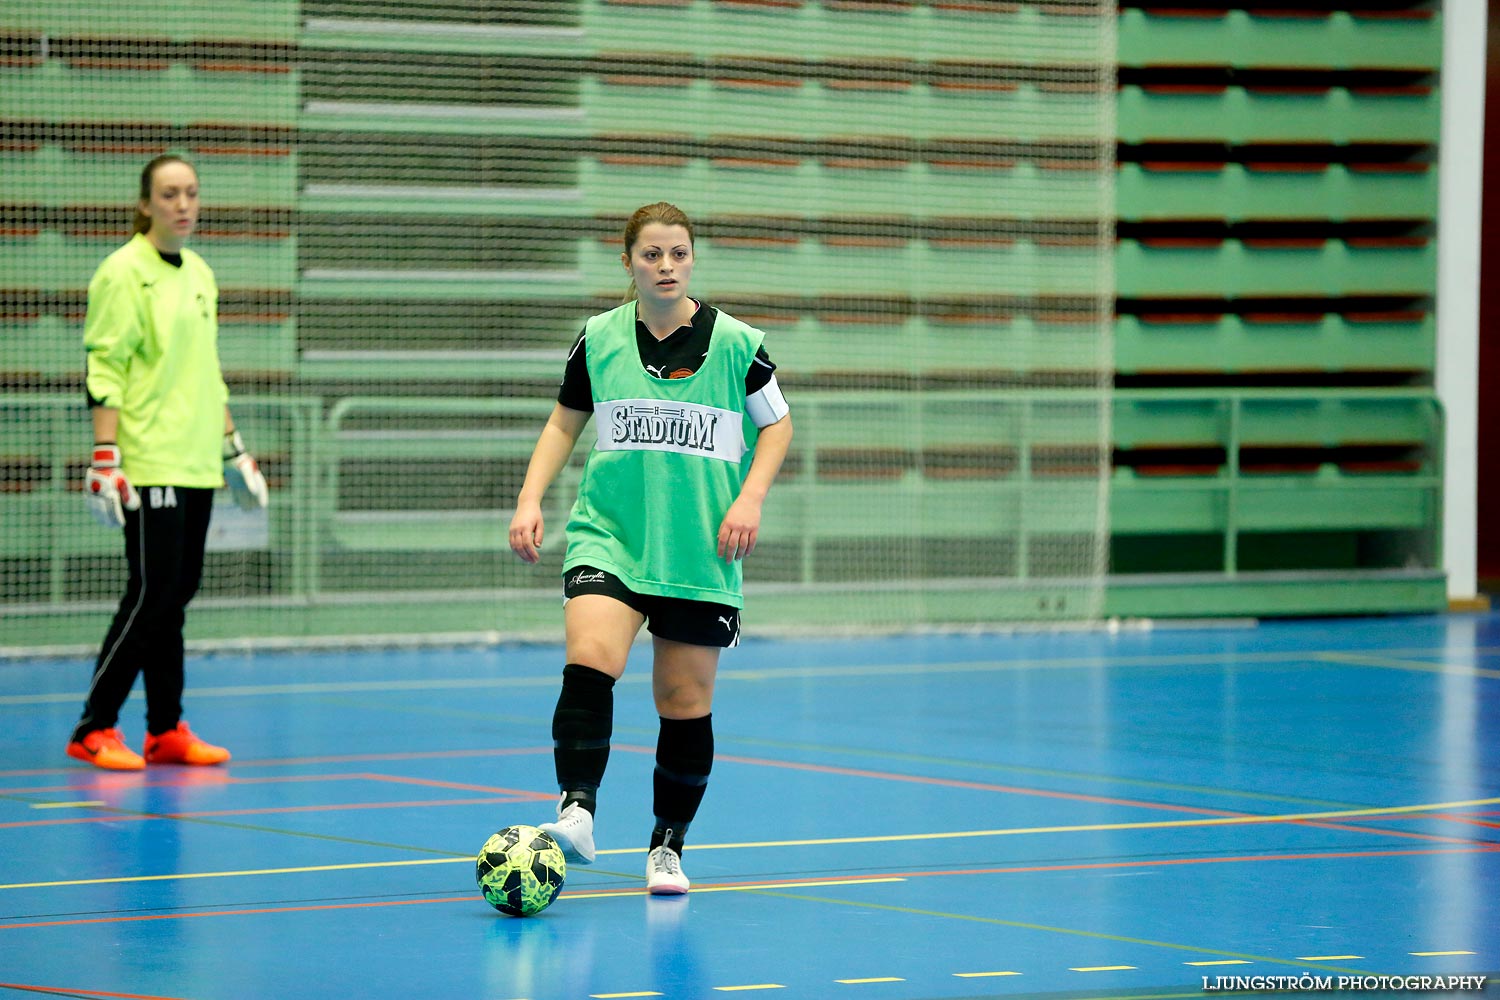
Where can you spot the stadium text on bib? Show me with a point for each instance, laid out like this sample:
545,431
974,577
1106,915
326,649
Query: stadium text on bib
685,428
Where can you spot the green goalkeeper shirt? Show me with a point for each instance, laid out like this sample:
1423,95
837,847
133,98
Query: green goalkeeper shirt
669,459
151,334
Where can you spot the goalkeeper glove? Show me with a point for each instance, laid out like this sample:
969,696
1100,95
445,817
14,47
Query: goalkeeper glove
242,475
108,492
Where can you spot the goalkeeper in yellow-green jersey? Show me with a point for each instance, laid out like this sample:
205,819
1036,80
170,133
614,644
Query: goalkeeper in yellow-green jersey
164,440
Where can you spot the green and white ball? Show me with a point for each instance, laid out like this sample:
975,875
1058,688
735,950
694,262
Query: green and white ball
520,870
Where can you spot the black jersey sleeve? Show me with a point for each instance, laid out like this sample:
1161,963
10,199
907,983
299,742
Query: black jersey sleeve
576,391
761,370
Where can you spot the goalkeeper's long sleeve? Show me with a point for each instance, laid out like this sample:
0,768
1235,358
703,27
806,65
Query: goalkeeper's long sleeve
151,337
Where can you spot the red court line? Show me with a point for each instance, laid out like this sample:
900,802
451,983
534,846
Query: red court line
239,913
1352,827
1472,820
1198,861
73,991
777,882
523,795
413,755
282,780
855,772
434,783
1043,793
127,818
507,795
423,803
199,780
352,758
414,803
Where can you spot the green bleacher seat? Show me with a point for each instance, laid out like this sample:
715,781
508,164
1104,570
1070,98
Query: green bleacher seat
1334,38
1234,267
1237,114
177,93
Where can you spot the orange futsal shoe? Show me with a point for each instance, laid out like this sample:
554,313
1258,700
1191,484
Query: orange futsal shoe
180,746
106,748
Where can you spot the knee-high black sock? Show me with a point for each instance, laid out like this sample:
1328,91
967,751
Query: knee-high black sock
684,758
581,727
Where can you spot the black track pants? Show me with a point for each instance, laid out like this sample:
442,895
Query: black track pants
164,548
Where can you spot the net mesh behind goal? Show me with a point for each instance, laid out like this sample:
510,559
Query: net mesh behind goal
412,207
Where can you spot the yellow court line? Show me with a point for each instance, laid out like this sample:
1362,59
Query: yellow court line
1101,827
1069,931
699,889
1195,995
420,861
830,841
1435,954
1102,968
1327,958
1036,772
875,979
69,805
1204,659
1390,663
753,986
321,687
617,996
980,975
235,874
1207,659
1222,961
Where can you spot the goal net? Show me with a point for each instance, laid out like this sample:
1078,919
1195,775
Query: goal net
412,207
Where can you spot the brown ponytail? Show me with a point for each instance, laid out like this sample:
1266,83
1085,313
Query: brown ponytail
142,222
664,212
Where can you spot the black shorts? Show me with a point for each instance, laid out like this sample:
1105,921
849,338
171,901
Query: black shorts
698,623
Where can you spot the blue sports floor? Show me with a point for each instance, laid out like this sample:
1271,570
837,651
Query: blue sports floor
1061,815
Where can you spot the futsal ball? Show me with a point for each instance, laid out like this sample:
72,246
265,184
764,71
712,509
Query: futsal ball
520,870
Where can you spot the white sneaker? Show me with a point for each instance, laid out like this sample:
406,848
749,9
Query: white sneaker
664,875
574,832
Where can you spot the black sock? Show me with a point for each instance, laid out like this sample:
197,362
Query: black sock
684,758
669,835
581,727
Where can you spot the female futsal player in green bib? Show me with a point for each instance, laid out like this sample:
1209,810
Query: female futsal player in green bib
691,429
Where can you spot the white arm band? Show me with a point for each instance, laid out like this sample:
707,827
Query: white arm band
767,406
